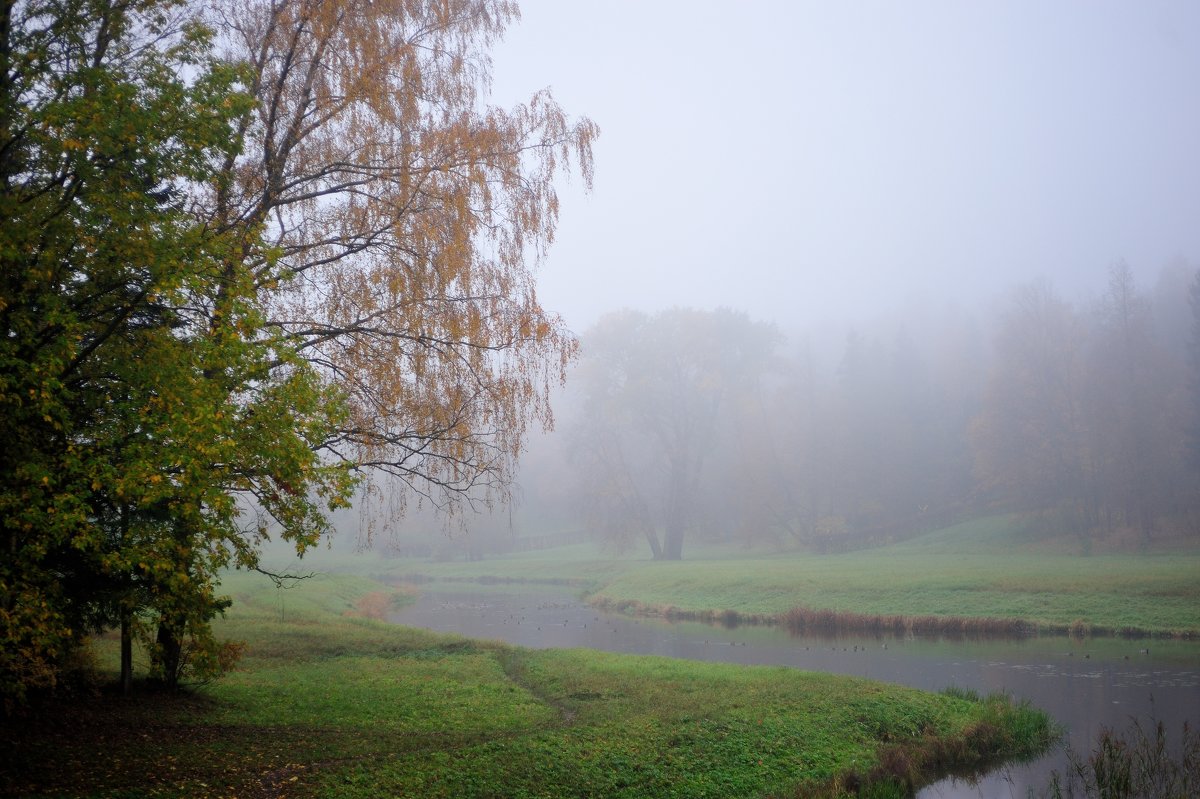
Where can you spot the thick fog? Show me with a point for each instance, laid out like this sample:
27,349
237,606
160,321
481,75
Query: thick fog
804,160
687,426
920,223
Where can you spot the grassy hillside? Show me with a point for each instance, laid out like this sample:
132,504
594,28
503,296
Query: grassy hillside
330,703
1159,594
993,568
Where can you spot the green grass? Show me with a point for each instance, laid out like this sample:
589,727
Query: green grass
581,564
1151,593
987,568
969,570
327,704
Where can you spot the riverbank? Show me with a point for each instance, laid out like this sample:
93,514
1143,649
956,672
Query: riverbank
1084,684
328,701
975,578
986,576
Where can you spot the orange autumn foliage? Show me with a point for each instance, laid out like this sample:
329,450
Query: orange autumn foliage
405,220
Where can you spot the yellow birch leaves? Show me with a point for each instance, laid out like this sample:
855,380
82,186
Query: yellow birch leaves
409,218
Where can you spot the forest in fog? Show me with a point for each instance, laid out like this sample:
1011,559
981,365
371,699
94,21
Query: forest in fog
687,426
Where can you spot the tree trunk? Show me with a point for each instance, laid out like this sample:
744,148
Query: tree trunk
126,654
673,545
126,618
170,651
655,547
678,509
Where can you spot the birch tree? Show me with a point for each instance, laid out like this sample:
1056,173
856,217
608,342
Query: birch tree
404,219
249,251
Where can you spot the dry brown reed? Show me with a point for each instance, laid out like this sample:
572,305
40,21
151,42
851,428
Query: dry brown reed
801,620
824,621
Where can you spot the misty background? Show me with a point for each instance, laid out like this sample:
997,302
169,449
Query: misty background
957,240
811,161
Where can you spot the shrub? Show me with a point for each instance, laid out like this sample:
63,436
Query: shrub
1133,764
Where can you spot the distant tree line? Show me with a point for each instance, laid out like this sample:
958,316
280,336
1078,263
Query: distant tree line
1084,416
1089,415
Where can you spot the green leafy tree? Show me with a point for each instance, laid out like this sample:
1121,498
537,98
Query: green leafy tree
230,286
141,394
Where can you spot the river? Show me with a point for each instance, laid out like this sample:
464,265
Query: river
1084,685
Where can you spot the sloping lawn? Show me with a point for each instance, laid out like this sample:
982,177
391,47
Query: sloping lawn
329,703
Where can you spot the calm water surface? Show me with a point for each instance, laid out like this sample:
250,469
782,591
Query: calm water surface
1084,684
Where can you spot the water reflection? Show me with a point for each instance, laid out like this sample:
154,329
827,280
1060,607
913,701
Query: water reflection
1084,684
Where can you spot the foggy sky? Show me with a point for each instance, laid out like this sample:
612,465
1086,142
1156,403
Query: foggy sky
809,160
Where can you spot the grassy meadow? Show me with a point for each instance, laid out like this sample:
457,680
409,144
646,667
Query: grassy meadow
329,702
991,568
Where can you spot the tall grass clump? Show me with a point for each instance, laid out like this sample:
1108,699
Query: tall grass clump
1002,731
1135,764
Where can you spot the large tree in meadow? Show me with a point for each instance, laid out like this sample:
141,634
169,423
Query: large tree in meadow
390,225
248,251
658,393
